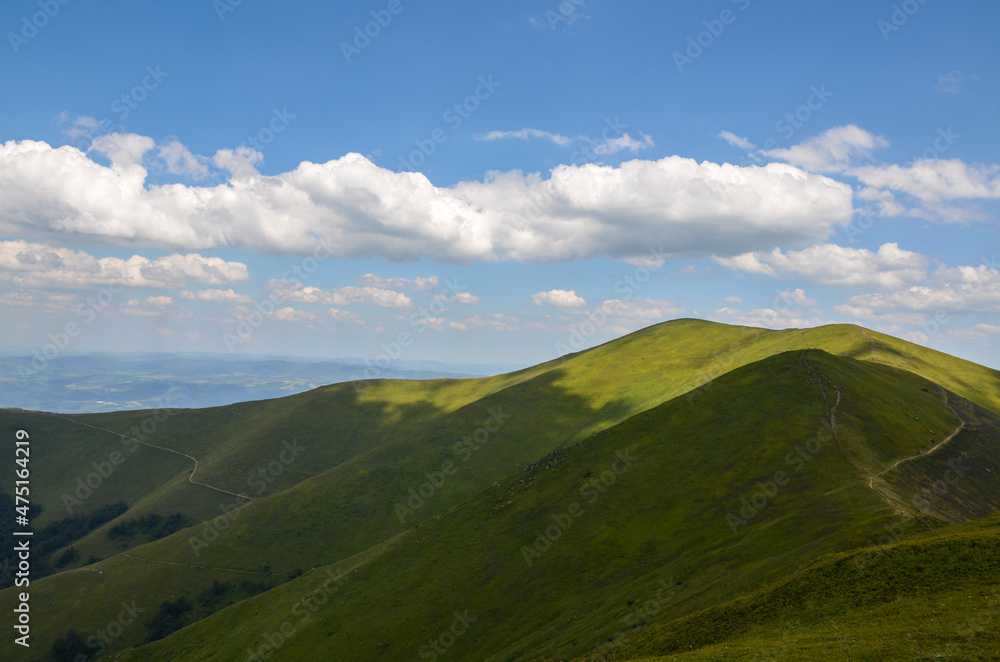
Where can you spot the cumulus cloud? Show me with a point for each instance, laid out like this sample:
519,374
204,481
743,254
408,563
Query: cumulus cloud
180,160
39,265
497,321
344,316
789,309
933,180
951,290
693,209
344,296
461,297
834,150
624,141
224,296
525,134
124,149
558,298
641,311
418,284
735,140
890,267
289,314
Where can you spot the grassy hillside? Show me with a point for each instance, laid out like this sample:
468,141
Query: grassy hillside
670,477
377,458
934,597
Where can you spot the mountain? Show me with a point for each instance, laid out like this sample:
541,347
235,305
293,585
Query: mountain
99,382
634,500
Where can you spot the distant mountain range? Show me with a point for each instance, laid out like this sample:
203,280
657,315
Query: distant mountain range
99,382
692,491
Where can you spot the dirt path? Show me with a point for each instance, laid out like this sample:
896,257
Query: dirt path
961,426
162,448
202,567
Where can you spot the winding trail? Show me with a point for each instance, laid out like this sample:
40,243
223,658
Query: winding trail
832,415
831,412
202,567
162,448
961,426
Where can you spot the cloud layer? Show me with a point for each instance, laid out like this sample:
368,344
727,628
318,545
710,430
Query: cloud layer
360,209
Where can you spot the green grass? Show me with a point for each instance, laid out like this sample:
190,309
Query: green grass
663,518
933,597
366,447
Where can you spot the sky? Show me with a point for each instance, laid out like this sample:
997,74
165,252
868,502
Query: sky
493,182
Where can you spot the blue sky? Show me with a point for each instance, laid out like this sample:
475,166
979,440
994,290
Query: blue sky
497,182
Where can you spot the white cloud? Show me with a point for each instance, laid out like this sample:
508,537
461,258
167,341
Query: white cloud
891,267
953,82
735,140
156,306
466,298
226,296
732,300
180,160
79,126
641,311
768,318
789,309
344,296
418,284
241,162
558,298
41,265
624,141
344,316
933,180
951,290
360,209
497,321
124,149
525,134
289,314
834,150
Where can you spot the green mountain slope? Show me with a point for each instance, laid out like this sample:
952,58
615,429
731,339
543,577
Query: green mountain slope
374,458
550,562
933,597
